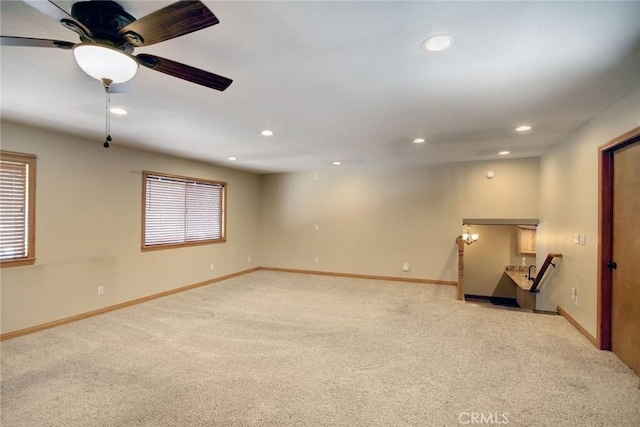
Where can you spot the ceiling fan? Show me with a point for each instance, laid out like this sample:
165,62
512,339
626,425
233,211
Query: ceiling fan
108,36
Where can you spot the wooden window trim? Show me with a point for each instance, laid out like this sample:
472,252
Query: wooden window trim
29,159
144,247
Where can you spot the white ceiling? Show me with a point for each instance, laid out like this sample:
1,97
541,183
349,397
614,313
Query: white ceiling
343,81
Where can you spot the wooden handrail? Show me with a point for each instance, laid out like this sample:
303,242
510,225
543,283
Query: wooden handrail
547,261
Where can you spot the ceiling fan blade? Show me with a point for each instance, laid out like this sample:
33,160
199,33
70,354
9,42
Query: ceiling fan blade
29,42
184,72
56,12
175,20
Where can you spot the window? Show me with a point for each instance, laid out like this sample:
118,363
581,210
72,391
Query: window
180,211
17,209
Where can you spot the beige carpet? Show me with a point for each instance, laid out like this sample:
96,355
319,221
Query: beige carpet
281,349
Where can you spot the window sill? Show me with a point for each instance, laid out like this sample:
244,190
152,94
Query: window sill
17,262
181,245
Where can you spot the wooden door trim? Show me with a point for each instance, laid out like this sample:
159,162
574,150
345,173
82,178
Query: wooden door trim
605,232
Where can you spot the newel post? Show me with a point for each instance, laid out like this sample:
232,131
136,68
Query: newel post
460,243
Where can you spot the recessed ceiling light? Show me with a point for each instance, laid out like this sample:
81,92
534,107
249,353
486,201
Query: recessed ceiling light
437,43
503,153
267,132
232,158
418,140
337,163
523,128
118,111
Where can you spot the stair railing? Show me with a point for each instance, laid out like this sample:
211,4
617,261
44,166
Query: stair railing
545,266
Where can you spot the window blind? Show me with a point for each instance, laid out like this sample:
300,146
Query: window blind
14,210
182,211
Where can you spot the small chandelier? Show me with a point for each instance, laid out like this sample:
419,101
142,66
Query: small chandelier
469,238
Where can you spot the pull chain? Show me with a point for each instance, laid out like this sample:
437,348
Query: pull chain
107,83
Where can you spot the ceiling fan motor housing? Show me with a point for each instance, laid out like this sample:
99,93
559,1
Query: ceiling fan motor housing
104,19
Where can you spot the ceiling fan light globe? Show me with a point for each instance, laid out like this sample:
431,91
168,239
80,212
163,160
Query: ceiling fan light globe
104,62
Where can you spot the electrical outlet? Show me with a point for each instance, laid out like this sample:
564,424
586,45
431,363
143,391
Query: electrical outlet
317,227
212,267
405,266
316,260
100,290
249,258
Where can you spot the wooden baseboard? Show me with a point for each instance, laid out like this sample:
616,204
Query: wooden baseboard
578,326
363,276
103,310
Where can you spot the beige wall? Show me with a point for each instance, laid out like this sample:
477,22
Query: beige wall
371,220
569,205
485,260
88,229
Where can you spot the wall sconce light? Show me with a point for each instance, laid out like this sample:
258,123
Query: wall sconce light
469,238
